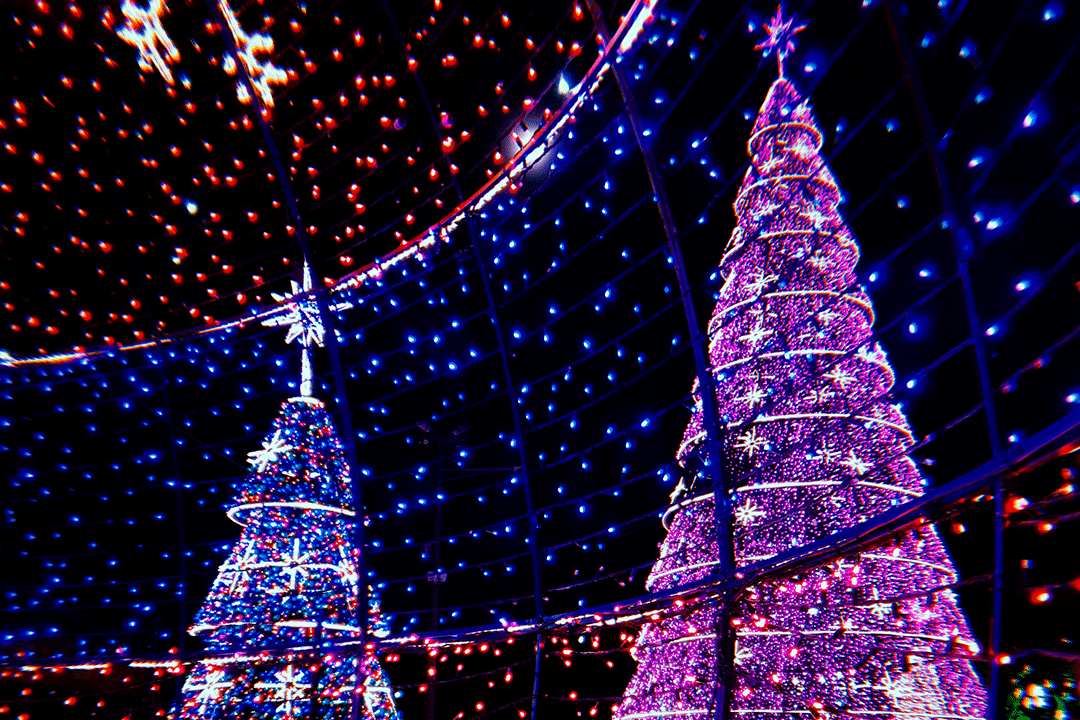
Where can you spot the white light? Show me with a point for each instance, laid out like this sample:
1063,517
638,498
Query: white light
564,86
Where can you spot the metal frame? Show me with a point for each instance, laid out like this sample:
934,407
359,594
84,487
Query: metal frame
493,313
728,579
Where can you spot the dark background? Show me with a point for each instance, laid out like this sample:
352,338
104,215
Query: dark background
119,466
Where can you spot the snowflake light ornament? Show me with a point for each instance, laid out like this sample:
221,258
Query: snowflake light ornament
781,36
271,452
302,317
262,73
288,689
211,689
143,30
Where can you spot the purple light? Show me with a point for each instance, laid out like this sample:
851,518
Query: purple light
792,351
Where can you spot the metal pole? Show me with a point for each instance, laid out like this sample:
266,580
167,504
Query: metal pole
534,536
706,382
326,317
964,249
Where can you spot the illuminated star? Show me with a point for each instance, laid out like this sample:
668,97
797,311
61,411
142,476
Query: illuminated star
771,164
753,397
759,282
210,690
347,569
820,261
856,463
826,455
816,217
768,209
142,29
271,452
746,513
750,442
301,314
802,148
288,689
895,688
841,377
295,564
243,567
781,36
756,334
262,74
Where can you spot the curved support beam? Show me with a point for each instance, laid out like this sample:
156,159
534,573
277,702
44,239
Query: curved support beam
964,249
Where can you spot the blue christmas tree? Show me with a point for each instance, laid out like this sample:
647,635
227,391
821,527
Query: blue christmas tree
290,584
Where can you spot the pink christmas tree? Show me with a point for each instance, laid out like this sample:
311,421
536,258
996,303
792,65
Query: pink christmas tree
814,445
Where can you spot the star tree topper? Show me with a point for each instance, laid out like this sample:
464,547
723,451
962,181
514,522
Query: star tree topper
302,317
781,36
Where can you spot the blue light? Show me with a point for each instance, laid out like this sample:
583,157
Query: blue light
1072,397
913,328
1030,119
809,67
992,330
967,49
928,39
1022,285
983,95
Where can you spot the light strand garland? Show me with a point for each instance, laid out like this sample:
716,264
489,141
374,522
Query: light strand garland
855,636
143,29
